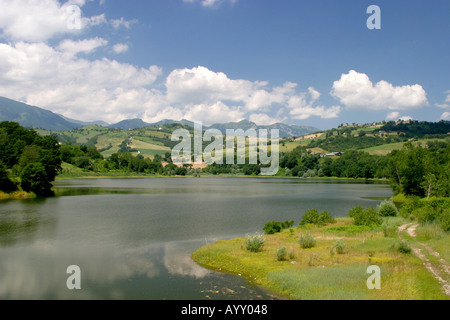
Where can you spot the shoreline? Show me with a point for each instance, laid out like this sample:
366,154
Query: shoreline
17,195
319,273
125,176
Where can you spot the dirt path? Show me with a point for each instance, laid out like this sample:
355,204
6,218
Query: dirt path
438,267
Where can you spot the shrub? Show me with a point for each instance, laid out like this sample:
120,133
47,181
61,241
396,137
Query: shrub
340,246
254,243
426,214
402,246
310,216
325,217
314,217
275,226
282,254
389,229
355,211
367,217
387,209
272,227
408,206
307,241
444,220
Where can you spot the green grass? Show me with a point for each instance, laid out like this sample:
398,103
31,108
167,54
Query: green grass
322,283
318,272
388,148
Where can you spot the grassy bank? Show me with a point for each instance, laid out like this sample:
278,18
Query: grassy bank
17,195
321,272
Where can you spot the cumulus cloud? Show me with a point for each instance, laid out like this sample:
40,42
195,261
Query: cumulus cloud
357,92
26,20
445,116
82,46
200,86
59,79
302,106
120,48
36,21
65,79
393,115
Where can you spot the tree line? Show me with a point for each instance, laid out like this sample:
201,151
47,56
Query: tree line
31,162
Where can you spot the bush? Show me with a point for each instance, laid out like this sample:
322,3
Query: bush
368,217
339,246
310,216
408,206
325,217
314,217
355,211
426,214
402,246
254,243
275,226
389,229
282,254
307,241
272,227
387,209
444,220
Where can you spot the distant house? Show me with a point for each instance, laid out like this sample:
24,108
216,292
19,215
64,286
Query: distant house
334,154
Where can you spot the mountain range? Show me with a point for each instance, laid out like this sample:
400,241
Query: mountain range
31,116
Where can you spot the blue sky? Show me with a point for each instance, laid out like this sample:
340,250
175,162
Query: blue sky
300,62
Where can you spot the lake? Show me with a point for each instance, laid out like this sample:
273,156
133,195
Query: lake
132,238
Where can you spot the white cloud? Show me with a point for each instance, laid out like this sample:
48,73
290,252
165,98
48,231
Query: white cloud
215,113
201,86
445,116
28,20
85,46
445,105
393,115
57,79
120,48
357,92
117,23
396,116
264,119
302,106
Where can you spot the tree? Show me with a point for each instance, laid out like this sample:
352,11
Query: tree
34,179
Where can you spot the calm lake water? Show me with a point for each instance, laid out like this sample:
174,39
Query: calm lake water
132,238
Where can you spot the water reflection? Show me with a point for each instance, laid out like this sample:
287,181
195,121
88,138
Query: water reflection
142,273
132,238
